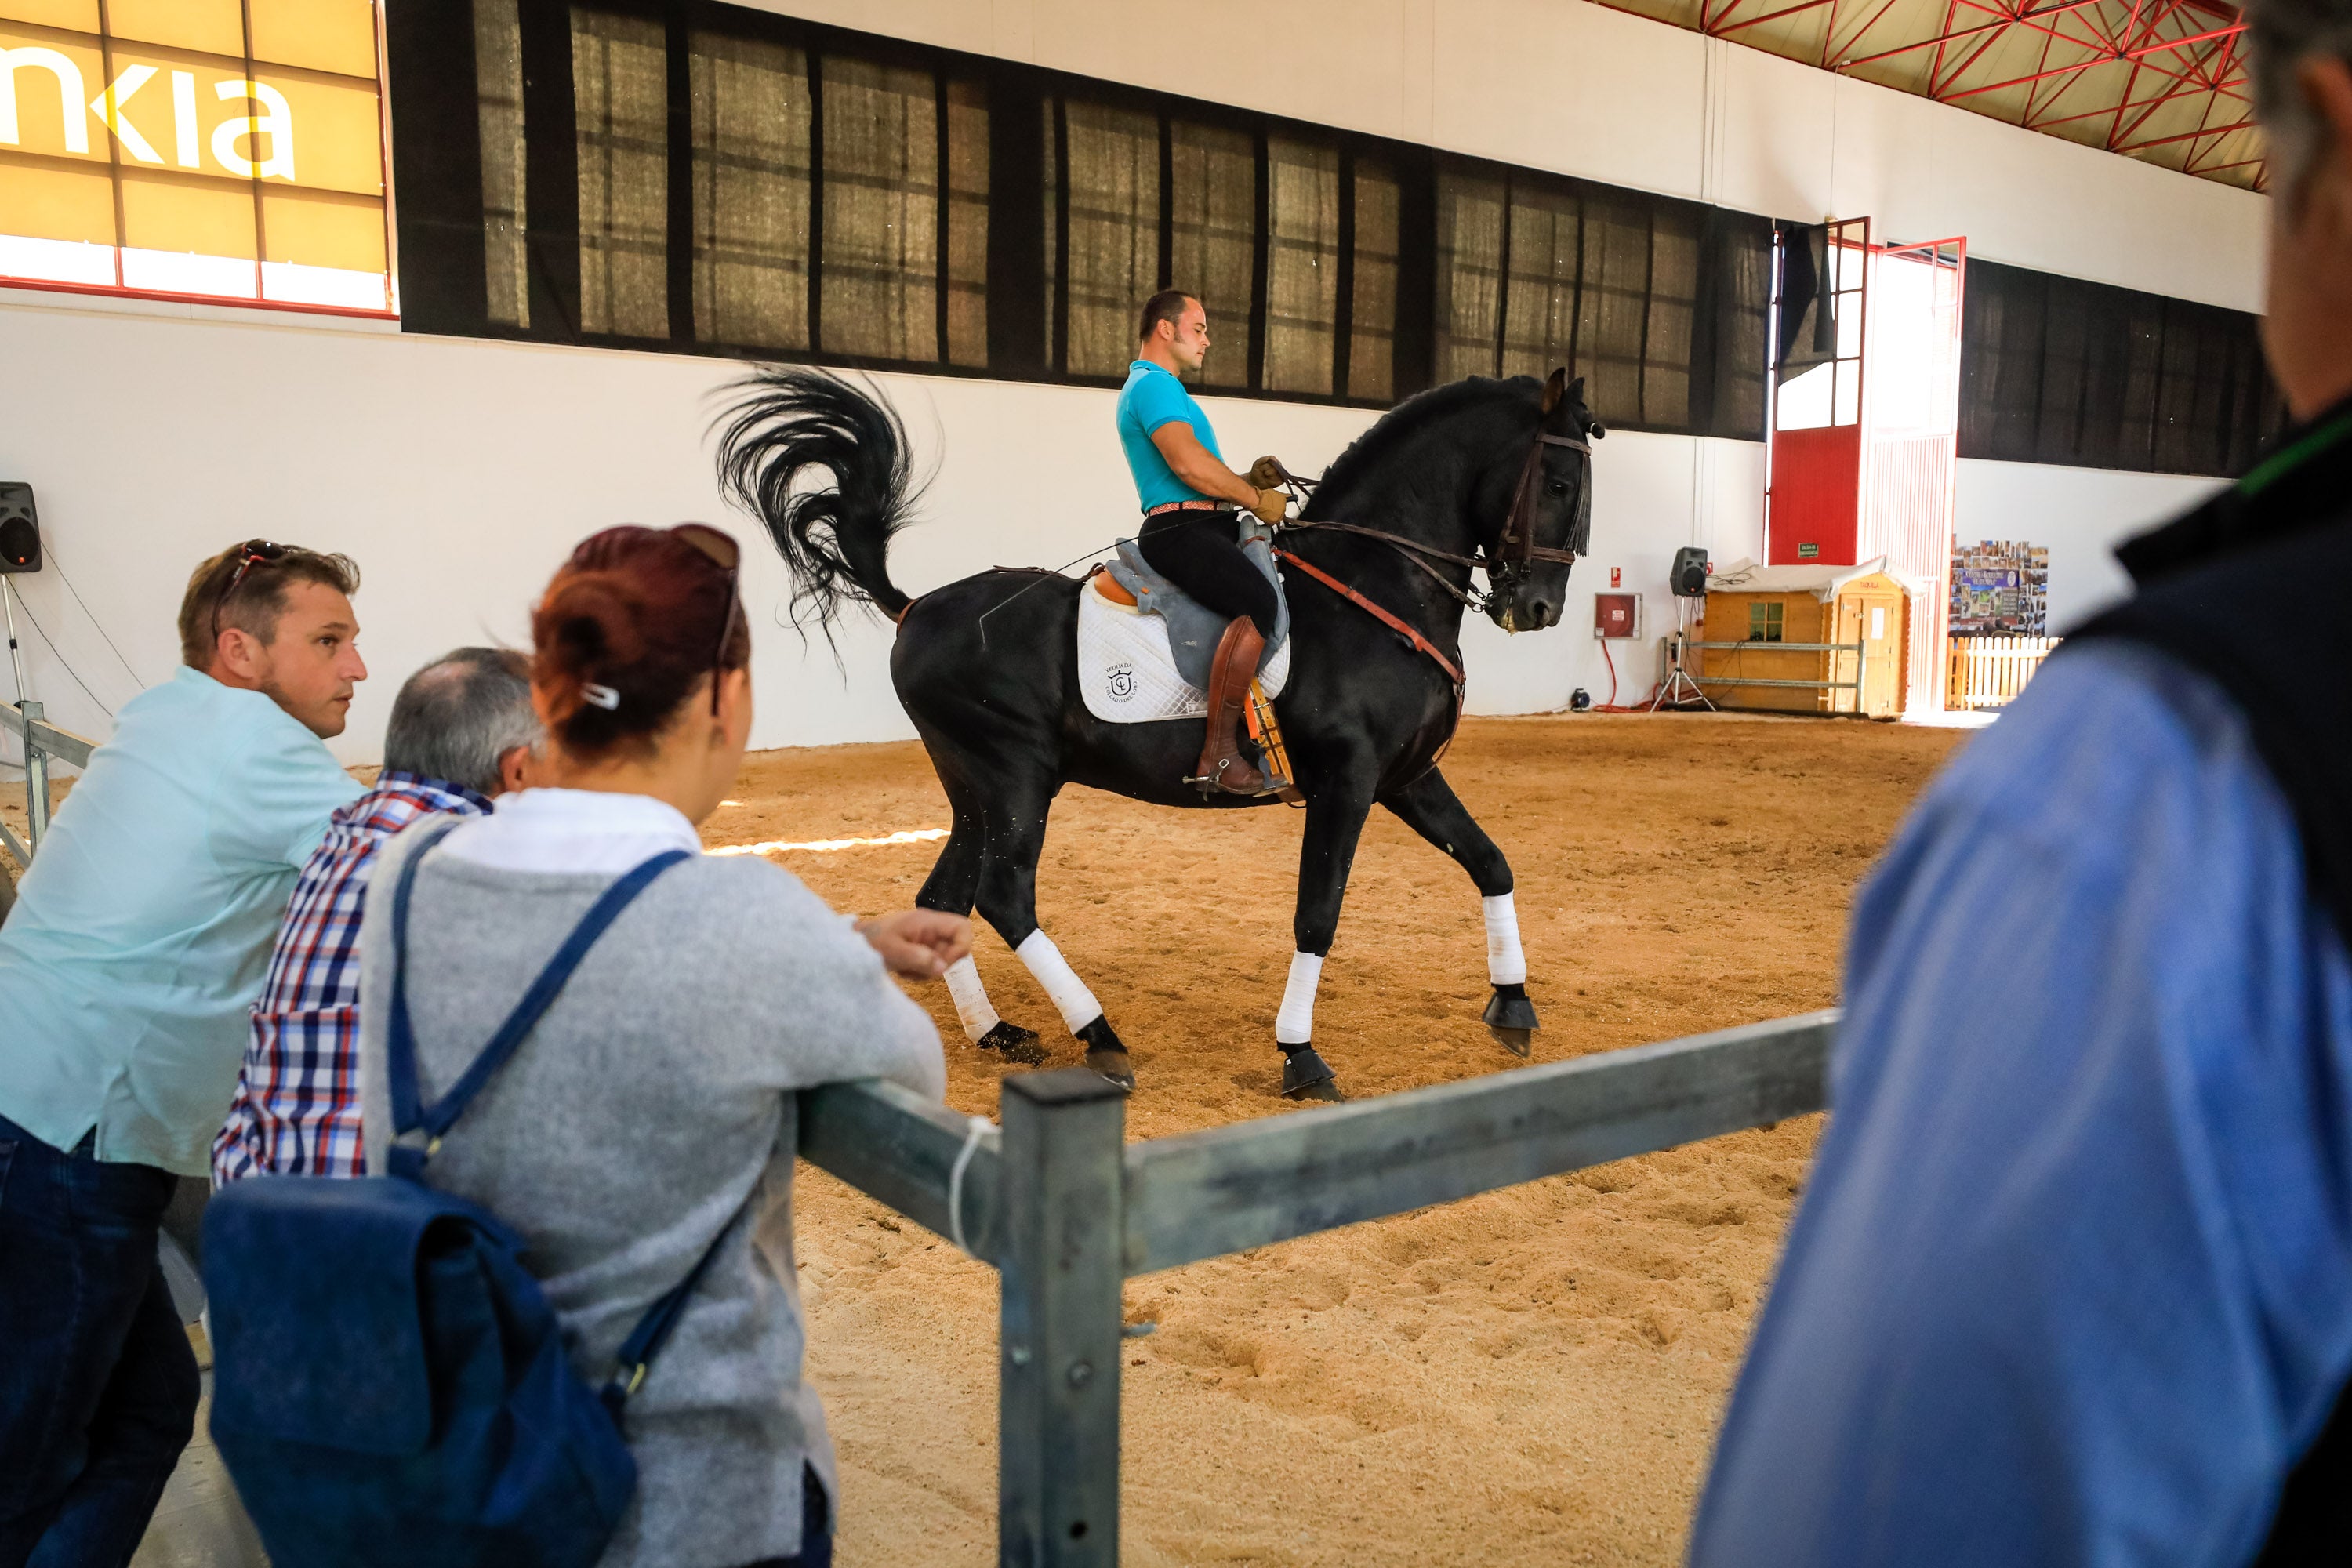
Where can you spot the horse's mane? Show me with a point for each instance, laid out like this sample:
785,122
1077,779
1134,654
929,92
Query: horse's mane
1422,409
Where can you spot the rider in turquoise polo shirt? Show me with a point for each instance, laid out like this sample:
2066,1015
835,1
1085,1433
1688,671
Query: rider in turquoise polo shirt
1190,533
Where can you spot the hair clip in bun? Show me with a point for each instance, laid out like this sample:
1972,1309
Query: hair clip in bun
603,697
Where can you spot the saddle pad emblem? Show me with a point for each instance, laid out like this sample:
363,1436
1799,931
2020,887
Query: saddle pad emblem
1127,668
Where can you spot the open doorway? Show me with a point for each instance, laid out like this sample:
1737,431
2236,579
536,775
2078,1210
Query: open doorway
1864,425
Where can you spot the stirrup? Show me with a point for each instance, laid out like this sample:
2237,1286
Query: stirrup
1207,784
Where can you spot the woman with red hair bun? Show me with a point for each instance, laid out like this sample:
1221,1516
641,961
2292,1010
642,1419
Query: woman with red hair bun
644,1123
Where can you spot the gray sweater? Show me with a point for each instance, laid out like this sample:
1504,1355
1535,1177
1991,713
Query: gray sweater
650,1111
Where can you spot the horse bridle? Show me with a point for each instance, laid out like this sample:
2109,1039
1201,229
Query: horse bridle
1515,550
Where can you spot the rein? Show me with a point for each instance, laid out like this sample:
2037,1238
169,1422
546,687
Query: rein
1412,635
1515,549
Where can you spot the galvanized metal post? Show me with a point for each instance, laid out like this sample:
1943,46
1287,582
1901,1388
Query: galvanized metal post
37,781
1057,1477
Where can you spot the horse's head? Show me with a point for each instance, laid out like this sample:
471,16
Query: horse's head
1547,521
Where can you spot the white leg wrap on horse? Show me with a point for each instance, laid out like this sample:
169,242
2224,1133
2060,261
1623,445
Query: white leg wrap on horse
1069,992
1505,964
970,998
1295,1024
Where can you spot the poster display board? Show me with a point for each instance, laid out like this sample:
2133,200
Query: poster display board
2000,588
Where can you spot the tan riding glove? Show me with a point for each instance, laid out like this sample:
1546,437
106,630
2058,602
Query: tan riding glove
1270,507
1265,474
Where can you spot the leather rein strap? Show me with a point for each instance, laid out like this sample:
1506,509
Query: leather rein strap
1514,550
1397,624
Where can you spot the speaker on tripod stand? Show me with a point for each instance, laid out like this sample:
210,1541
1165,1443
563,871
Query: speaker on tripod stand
1686,580
20,551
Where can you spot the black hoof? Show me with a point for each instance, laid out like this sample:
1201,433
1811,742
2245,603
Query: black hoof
1510,1018
1013,1043
1306,1076
1106,1053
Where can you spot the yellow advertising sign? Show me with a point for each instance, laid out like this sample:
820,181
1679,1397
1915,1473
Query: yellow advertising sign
227,148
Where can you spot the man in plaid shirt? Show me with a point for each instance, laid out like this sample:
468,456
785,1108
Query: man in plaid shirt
462,732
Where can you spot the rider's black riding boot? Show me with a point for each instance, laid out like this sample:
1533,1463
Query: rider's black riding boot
1229,674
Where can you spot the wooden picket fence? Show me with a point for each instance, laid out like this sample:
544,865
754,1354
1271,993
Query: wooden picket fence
1986,672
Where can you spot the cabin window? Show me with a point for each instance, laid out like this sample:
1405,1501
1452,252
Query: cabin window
1765,621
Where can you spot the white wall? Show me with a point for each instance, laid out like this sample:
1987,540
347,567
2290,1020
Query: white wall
458,473
2080,513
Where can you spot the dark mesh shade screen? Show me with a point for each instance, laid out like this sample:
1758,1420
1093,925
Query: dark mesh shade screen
497,81
967,225
751,124
1471,211
1733,321
720,179
1535,272
621,98
1372,285
1303,265
2057,370
1214,239
1110,248
879,274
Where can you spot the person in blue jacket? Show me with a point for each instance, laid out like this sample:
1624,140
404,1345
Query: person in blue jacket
2071,1282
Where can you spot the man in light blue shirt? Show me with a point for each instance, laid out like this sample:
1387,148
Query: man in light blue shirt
138,942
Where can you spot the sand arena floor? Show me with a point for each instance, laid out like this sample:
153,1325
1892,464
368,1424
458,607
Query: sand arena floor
1532,1377
1528,1377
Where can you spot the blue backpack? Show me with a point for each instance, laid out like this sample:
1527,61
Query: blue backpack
390,1386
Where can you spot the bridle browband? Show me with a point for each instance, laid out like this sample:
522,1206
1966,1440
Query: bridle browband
1515,550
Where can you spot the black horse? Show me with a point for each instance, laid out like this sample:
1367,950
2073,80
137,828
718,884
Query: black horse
1490,475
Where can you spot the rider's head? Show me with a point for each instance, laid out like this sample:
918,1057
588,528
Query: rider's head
1175,324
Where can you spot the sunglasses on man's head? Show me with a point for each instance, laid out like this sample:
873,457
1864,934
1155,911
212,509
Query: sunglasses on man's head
251,553
728,556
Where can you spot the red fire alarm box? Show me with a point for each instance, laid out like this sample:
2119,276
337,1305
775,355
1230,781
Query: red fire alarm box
1616,615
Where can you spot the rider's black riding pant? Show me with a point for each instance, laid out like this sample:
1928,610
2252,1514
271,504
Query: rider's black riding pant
1201,552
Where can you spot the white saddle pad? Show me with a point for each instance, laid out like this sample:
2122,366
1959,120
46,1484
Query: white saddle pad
1128,673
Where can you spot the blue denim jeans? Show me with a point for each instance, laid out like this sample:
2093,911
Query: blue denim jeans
98,1385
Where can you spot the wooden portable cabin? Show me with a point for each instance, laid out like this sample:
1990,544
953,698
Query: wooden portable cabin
1805,639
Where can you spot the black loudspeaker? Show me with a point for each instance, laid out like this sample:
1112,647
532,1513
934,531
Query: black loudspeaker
1687,578
20,530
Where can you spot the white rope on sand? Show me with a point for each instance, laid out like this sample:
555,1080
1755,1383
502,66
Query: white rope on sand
826,846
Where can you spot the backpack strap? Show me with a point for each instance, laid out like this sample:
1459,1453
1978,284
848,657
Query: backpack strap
653,1330
645,1341
400,1049
409,1112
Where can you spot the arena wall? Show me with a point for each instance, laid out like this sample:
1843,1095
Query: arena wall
459,471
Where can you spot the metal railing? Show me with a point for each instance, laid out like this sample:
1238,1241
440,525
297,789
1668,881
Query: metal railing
42,741
1861,652
1066,1210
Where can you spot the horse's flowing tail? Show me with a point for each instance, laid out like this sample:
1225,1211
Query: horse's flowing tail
836,539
